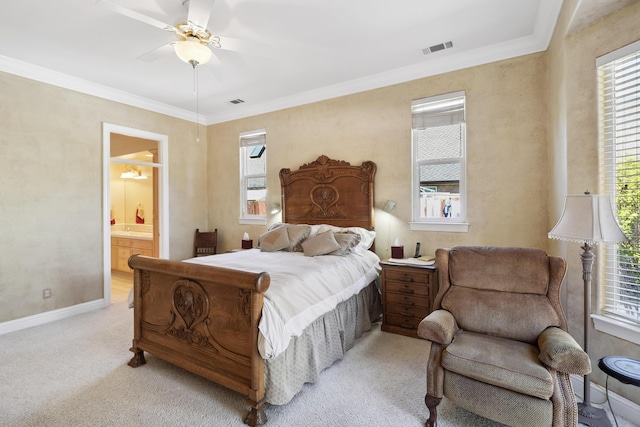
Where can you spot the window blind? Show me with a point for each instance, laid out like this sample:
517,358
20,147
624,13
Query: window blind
619,127
432,112
247,140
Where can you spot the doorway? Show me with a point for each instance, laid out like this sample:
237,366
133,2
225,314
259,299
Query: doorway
135,199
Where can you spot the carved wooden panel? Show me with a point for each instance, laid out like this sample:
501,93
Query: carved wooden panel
329,191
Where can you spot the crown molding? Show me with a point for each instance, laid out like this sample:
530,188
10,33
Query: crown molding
55,78
538,41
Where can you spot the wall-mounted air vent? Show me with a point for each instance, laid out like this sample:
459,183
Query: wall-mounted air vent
436,48
236,101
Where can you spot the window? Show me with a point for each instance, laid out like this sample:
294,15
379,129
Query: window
438,142
619,135
253,177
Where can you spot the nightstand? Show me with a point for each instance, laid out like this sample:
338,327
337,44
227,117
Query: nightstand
407,296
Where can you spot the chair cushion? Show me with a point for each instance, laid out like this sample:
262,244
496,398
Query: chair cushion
505,363
518,270
501,313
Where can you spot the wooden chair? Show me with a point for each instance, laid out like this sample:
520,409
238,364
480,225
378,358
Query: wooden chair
205,243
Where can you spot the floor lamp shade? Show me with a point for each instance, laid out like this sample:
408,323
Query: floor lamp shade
587,218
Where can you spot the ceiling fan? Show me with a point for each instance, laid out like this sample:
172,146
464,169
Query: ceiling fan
194,40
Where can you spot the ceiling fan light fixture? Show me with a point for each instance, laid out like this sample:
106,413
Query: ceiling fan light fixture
192,51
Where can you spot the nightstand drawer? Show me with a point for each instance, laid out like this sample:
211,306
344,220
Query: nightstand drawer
404,322
412,275
407,288
406,310
407,300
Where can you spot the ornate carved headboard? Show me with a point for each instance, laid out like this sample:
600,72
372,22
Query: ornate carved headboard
328,191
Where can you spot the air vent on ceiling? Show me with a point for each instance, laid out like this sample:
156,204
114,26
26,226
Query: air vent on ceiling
437,48
236,101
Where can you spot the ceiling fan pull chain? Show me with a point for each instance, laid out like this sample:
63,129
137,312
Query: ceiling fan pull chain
195,92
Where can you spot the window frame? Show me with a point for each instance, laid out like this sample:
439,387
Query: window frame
247,141
452,224
606,321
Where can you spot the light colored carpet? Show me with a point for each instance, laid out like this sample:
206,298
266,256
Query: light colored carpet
74,373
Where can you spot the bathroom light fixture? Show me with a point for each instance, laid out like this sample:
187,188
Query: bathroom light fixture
132,172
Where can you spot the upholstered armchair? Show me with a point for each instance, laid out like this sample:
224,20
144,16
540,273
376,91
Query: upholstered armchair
499,341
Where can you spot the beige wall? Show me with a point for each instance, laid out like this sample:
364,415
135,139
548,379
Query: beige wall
573,134
51,192
506,146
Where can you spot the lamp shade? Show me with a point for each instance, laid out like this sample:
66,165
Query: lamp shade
191,50
587,218
274,208
389,206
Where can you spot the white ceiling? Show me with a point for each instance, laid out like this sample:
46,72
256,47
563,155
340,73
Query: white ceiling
295,51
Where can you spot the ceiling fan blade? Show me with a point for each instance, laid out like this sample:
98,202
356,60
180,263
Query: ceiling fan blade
200,12
156,53
136,15
246,46
216,69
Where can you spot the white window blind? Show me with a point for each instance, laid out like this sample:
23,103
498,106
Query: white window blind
437,112
619,127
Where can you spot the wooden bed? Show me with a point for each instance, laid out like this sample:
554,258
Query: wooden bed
205,319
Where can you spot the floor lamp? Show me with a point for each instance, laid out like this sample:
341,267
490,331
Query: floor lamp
588,219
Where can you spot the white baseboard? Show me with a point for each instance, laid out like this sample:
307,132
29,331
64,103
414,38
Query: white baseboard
50,316
621,407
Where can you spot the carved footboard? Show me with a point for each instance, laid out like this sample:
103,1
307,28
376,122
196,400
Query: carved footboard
203,319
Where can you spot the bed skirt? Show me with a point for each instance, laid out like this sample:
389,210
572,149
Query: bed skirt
323,342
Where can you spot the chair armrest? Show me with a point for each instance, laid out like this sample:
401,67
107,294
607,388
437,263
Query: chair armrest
439,326
558,350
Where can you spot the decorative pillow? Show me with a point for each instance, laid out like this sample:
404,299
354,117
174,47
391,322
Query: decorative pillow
275,225
366,236
347,241
274,240
297,235
321,244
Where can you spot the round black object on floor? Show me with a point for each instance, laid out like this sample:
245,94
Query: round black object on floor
624,369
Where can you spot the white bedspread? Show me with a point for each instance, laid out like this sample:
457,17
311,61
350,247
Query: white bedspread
302,288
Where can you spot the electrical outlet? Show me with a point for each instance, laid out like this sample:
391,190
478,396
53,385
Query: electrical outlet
46,293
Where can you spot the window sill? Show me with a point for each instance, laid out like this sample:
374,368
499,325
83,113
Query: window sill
617,328
252,221
460,227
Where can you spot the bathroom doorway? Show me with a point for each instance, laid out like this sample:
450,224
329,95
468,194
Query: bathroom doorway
135,201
